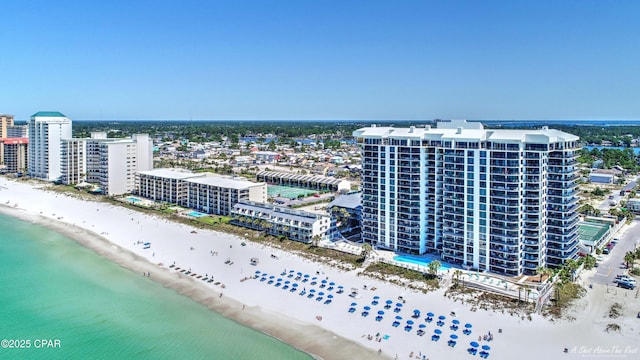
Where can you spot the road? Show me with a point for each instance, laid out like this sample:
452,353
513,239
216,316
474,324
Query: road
606,204
610,266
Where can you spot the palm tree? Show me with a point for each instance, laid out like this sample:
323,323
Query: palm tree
315,240
540,271
366,250
527,291
433,267
629,258
456,276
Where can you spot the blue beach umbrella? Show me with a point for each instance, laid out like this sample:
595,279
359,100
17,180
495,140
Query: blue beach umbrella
486,347
314,278
354,304
474,344
312,290
410,322
271,277
398,317
294,284
340,287
331,283
453,336
422,326
279,279
324,281
455,321
306,275
257,271
291,271
376,297
367,308
299,273
321,293
437,331
442,317
416,311
430,314
399,304
389,302
287,282
380,312
468,326
330,296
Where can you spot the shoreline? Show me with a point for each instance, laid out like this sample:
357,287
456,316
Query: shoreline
316,342
315,328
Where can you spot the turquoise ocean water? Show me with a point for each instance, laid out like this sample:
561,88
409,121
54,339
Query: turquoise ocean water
53,288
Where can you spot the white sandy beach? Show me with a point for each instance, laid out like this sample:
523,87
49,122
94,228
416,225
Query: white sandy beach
293,318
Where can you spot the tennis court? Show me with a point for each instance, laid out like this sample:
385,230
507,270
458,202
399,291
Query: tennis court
592,232
288,192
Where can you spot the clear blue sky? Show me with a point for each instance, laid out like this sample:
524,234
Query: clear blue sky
316,59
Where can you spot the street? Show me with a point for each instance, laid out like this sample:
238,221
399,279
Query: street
610,266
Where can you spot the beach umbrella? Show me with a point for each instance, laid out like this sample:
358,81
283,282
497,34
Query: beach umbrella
416,311
455,321
453,336
294,284
312,290
468,326
437,331
367,308
279,279
430,314
291,271
330,296
257,271
398,317
314,278
380,312
324,281
376,297
474,344
389,302
331,283
306,275
299,273
399,304
410,322
354,304
442,317
271,277
340,287
422,326
321,293
486,347
287,282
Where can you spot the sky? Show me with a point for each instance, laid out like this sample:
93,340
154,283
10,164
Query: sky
315,59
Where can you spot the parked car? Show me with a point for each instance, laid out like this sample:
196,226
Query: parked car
605,251
626,285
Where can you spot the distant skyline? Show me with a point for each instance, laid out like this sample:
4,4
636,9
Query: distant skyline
321,60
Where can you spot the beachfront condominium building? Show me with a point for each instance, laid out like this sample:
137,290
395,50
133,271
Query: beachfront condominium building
13,154
6,121
46,130
109,163
281,221
217,195
165,185
203,192
502,201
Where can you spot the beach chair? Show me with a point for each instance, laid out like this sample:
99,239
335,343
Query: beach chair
327,302
293,289
352,310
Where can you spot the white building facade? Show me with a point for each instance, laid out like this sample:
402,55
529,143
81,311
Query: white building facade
503,201
46,130
110,163
281,221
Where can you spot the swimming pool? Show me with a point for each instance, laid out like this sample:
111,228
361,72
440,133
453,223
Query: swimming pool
196,214
420,261
133,200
